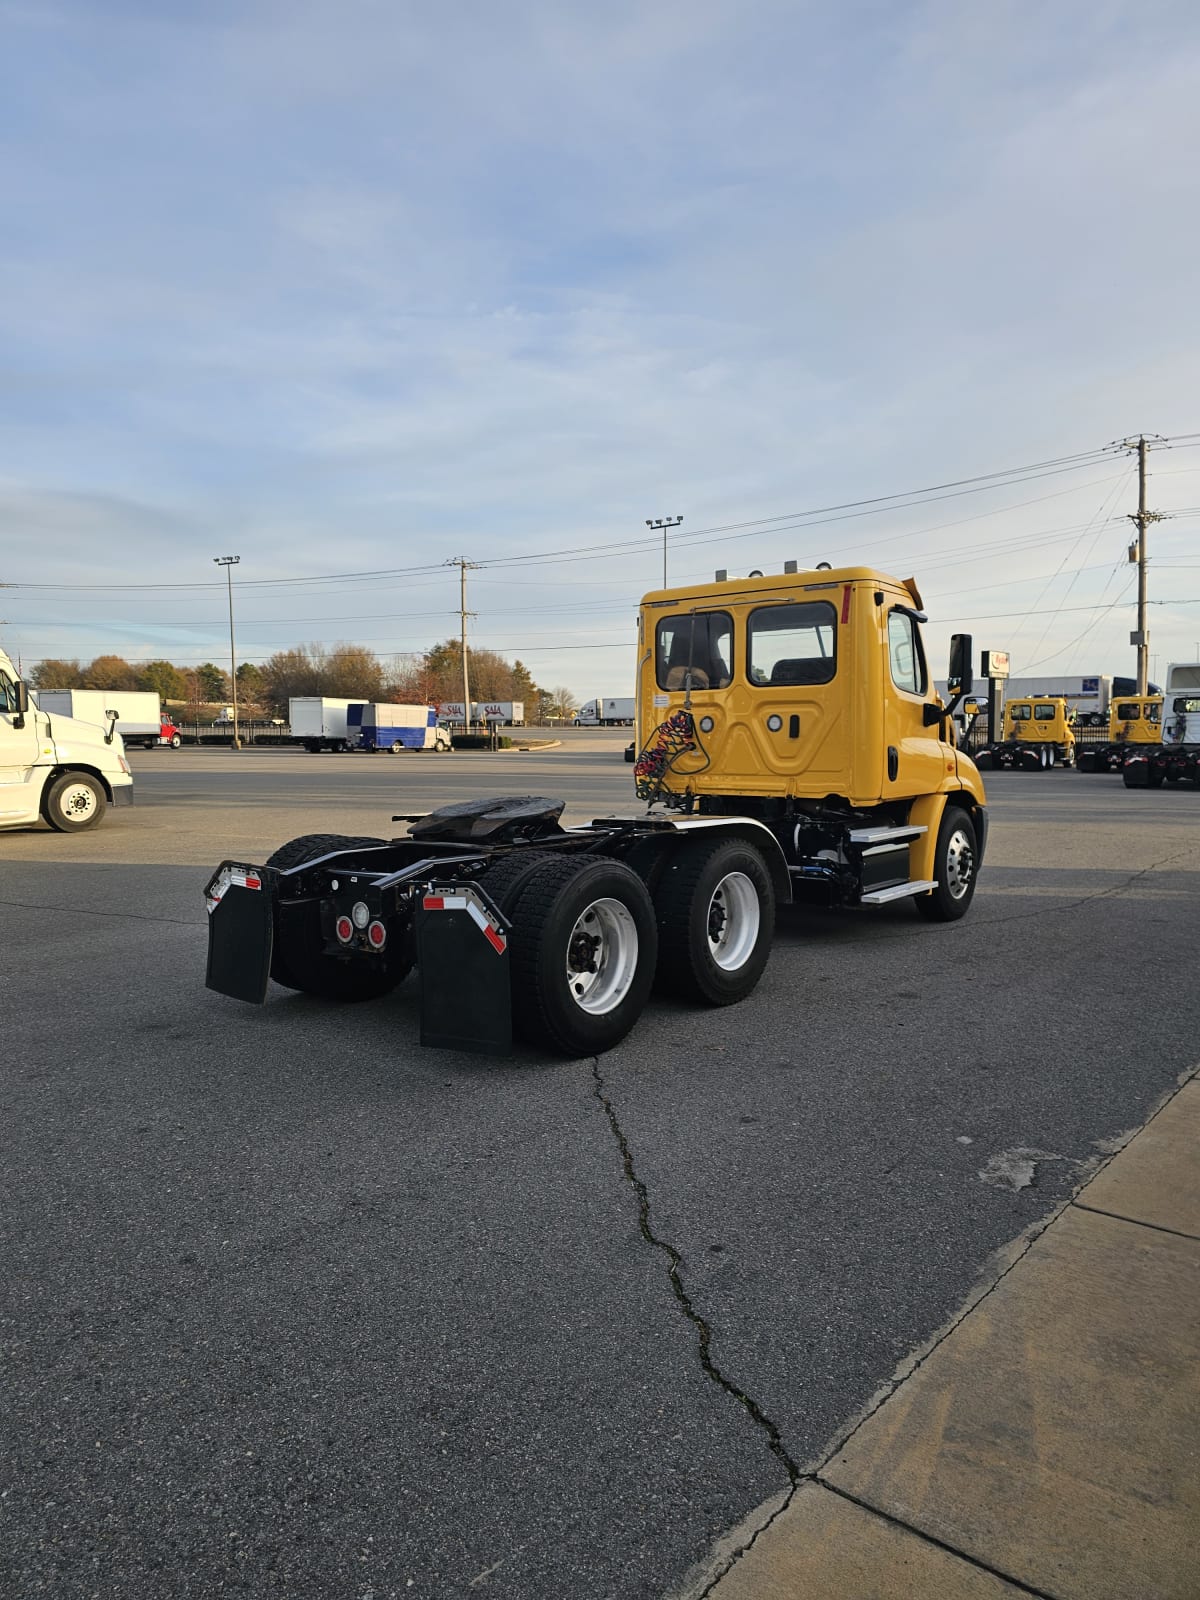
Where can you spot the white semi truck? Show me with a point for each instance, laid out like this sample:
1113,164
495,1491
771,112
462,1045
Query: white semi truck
606,712
53,767
139,713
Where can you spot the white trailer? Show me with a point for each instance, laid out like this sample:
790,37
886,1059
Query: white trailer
320,723
139,713
511,712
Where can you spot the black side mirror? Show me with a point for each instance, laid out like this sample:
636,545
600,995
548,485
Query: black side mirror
959,679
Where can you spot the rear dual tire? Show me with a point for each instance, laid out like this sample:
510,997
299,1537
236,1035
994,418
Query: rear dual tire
715,905
583,948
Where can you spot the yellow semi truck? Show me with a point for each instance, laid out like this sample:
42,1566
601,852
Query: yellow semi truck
1039,733
1134,721
790,746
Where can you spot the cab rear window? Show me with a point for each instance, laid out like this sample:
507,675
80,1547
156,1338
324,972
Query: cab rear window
1020,713
694,649
792,644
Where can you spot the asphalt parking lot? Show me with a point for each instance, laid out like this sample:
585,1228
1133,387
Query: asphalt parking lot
293,1307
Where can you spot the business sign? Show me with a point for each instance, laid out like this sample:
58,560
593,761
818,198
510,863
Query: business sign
1089,688
994,664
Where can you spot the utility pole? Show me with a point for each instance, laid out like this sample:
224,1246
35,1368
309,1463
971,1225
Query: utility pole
664,523
463,567
229,562
1137,552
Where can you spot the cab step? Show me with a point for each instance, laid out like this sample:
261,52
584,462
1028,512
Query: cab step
898,891
893,835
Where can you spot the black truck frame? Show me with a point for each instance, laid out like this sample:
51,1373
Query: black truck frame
520,926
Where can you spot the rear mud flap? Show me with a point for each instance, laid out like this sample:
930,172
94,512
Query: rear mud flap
462,955
241,931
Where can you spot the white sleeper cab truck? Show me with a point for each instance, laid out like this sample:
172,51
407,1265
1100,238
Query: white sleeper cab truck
53,767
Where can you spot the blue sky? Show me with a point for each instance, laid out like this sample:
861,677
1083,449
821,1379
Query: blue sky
364,286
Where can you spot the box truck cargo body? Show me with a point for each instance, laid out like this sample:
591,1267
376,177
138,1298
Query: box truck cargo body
139,713
320,722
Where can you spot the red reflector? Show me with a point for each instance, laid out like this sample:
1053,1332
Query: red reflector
345,929
377,935
846,604
433,902
254,883
495,939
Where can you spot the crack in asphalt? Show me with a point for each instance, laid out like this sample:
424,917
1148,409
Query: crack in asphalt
675,1273
119,916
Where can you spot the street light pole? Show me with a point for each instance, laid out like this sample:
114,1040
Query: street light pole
664,523
229,562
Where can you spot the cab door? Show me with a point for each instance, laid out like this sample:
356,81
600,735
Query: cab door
18,753
917,758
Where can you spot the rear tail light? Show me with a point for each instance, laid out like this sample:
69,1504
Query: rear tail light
377,936
344,929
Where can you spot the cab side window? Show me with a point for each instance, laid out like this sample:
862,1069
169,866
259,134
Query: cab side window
8,693
905,653
1045,713
1019,713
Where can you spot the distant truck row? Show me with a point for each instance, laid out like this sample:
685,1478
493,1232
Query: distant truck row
323,723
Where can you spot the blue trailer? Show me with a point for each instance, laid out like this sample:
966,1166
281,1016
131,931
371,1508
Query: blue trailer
373,726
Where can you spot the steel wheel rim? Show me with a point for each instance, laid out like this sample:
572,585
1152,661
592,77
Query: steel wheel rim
733,920
960,864
602,956
78,801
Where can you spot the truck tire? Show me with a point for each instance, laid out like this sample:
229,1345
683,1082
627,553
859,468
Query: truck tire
582,954
299,960
73,802
715,906
955,866
396,748
175,741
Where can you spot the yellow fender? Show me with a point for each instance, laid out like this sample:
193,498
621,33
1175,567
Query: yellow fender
927,809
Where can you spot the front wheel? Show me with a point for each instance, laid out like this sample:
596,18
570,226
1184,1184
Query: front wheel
716,917
955,866
176,741
582,953
74,802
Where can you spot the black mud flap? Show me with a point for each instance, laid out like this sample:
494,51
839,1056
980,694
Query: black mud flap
462,956
241,931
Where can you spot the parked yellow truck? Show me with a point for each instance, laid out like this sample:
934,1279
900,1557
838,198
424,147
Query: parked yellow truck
1039,732
790,746
1133,722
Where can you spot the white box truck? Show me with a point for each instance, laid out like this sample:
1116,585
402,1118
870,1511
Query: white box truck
319,723
606,712
139,713
54,767
377,726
